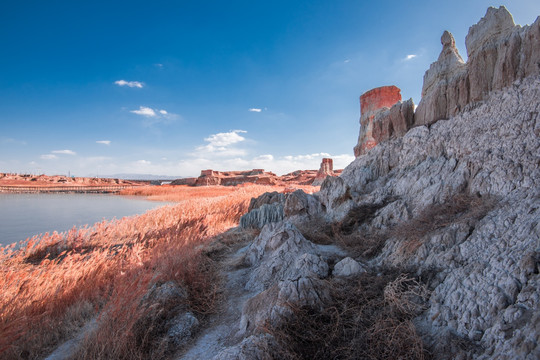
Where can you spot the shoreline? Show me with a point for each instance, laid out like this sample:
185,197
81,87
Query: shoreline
63,189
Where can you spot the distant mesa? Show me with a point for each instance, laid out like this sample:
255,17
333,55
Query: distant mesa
499,54
211,177
26,180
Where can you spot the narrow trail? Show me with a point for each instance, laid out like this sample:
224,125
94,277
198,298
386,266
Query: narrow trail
222,328
69,347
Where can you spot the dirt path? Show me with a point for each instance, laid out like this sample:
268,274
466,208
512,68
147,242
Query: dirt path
221,330
68,348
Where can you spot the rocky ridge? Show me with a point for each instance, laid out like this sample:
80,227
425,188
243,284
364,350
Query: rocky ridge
455,203
259,176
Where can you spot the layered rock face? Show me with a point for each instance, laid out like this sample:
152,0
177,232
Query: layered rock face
383,115
371,103
499,53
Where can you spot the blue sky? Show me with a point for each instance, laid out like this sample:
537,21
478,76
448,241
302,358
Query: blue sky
173,87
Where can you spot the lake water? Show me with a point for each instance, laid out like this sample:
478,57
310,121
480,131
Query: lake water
25,215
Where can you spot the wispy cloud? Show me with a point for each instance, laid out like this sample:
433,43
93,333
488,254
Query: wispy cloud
104,142
155,116
347,61
255,110
409,57
48,157
131,84
64,152
10,141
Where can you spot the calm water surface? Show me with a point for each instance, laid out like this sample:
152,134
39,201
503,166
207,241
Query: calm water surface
25,215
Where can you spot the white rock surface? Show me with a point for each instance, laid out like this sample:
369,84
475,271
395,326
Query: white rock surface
348,267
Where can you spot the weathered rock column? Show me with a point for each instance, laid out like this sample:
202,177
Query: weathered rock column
371,103
326,169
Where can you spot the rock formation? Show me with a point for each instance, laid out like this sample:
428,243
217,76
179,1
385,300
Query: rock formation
456,202
326,169
371,103
499,53
261,177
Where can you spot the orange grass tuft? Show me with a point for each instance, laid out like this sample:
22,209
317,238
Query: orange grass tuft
49,284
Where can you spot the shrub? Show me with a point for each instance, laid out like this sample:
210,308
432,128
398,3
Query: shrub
368,318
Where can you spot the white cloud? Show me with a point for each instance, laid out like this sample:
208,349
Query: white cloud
347,61
410,57
254,110
64,152
143,162
145,111
163,112
222,145
130,84
48,157
225,139
104,142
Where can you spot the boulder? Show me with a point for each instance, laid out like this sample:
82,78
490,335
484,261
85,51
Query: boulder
280,252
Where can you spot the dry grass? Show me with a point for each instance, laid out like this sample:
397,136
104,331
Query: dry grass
461,208
56,282
176,193
366,318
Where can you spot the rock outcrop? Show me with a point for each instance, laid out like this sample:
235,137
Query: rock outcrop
371,103
485,268
446,85
273,207
326,169
499,53
395,121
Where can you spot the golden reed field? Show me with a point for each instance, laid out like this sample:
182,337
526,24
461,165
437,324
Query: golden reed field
55,283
